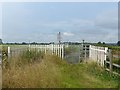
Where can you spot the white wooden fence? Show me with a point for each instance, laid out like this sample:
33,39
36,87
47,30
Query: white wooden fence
98,54
52,48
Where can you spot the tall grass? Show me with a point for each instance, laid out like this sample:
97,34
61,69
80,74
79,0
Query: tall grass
30,56
31,71
38,70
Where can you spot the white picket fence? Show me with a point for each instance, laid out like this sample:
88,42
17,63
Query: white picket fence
98,54
52,48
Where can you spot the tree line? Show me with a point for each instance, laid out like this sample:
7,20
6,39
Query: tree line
75,43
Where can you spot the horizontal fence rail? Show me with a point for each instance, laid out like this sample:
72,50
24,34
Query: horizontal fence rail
98,54
55,49
116,65
103,56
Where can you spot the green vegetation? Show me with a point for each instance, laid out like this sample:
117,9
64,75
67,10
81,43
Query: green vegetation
109,46
30,69
87,75
71,49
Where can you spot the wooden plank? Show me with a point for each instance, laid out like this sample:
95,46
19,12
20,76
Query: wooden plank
107,62
112,72
56,49
110,58
116,65
113,64
98,49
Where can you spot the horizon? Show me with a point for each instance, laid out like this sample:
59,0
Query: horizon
57,42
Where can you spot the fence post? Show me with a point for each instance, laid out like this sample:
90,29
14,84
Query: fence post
85,54
45,49
90,51
29,47
52,49
82,55
8,54
62,51
110,58
105,54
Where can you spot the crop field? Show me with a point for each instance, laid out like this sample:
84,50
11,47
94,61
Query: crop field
33,69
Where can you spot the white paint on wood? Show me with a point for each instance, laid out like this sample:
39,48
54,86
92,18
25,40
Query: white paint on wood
8,50
98,54
8,54
52,48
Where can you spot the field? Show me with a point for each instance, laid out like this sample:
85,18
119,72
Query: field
109,46
39,70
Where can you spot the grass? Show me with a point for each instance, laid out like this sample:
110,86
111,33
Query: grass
37,74
86,75
49,71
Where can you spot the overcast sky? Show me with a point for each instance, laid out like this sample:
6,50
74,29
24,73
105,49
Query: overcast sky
40,22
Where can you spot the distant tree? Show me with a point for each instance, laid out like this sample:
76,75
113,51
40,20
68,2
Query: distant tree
118,43
51,43
16,43
33,43
24,43
99,42
103,43
1,41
